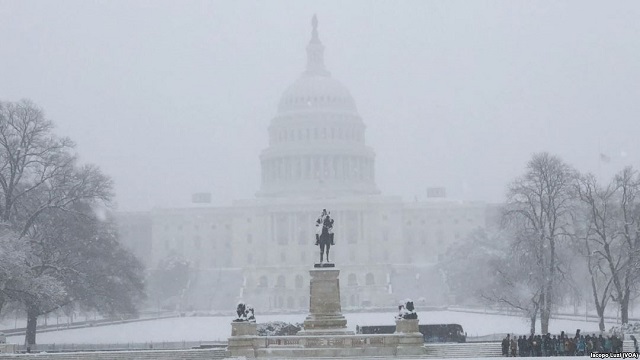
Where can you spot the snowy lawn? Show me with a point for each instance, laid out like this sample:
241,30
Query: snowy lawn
219,328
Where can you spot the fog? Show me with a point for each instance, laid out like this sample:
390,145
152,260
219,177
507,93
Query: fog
172,98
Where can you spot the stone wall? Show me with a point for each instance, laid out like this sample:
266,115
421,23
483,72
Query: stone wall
204,354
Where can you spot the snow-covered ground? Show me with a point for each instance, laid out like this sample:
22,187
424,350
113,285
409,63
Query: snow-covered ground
219,328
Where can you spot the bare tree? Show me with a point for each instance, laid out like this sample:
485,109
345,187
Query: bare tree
598,238
516,281
539,205
38,170
48,201
628,183
82,253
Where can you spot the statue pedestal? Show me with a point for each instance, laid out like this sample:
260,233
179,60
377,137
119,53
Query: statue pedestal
404,326
325,313
411,341
244,339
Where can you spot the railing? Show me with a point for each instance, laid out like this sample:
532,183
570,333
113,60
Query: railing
331,341
160,345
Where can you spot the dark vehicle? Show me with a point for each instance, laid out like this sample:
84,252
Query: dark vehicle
432,333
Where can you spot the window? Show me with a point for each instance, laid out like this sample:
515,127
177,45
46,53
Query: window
282,229
290,304
369,280
299,281
249,238
352,280
281,282
263,283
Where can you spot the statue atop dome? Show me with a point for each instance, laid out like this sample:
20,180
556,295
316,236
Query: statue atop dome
315,52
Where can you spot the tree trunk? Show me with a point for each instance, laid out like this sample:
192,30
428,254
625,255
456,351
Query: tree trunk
624,307
600,310
544,320
534,316
544,313
32,322
599,306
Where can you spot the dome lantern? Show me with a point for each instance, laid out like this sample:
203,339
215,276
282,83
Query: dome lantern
315,52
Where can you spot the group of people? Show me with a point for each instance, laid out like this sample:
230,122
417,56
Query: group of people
561,345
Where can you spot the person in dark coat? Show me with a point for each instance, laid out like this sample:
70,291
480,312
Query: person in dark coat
521,346
505,346
600,344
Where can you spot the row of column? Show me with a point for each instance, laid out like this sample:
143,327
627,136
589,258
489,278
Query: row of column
318,167
339,133
296,227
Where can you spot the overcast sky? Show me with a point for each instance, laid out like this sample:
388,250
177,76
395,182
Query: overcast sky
174,97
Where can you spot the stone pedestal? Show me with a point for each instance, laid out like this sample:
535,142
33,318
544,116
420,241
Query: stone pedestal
407,326
325,313
411,341
243,340
7,348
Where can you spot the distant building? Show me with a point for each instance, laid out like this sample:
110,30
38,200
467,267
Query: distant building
260,250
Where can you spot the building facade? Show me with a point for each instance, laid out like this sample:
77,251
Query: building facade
260,250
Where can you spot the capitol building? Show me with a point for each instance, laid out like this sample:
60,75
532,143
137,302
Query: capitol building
260,250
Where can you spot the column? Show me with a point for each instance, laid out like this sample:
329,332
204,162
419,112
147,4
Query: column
330,170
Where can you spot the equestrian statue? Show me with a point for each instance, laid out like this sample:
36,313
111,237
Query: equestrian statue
324,233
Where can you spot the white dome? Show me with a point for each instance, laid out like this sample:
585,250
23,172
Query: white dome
313,92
